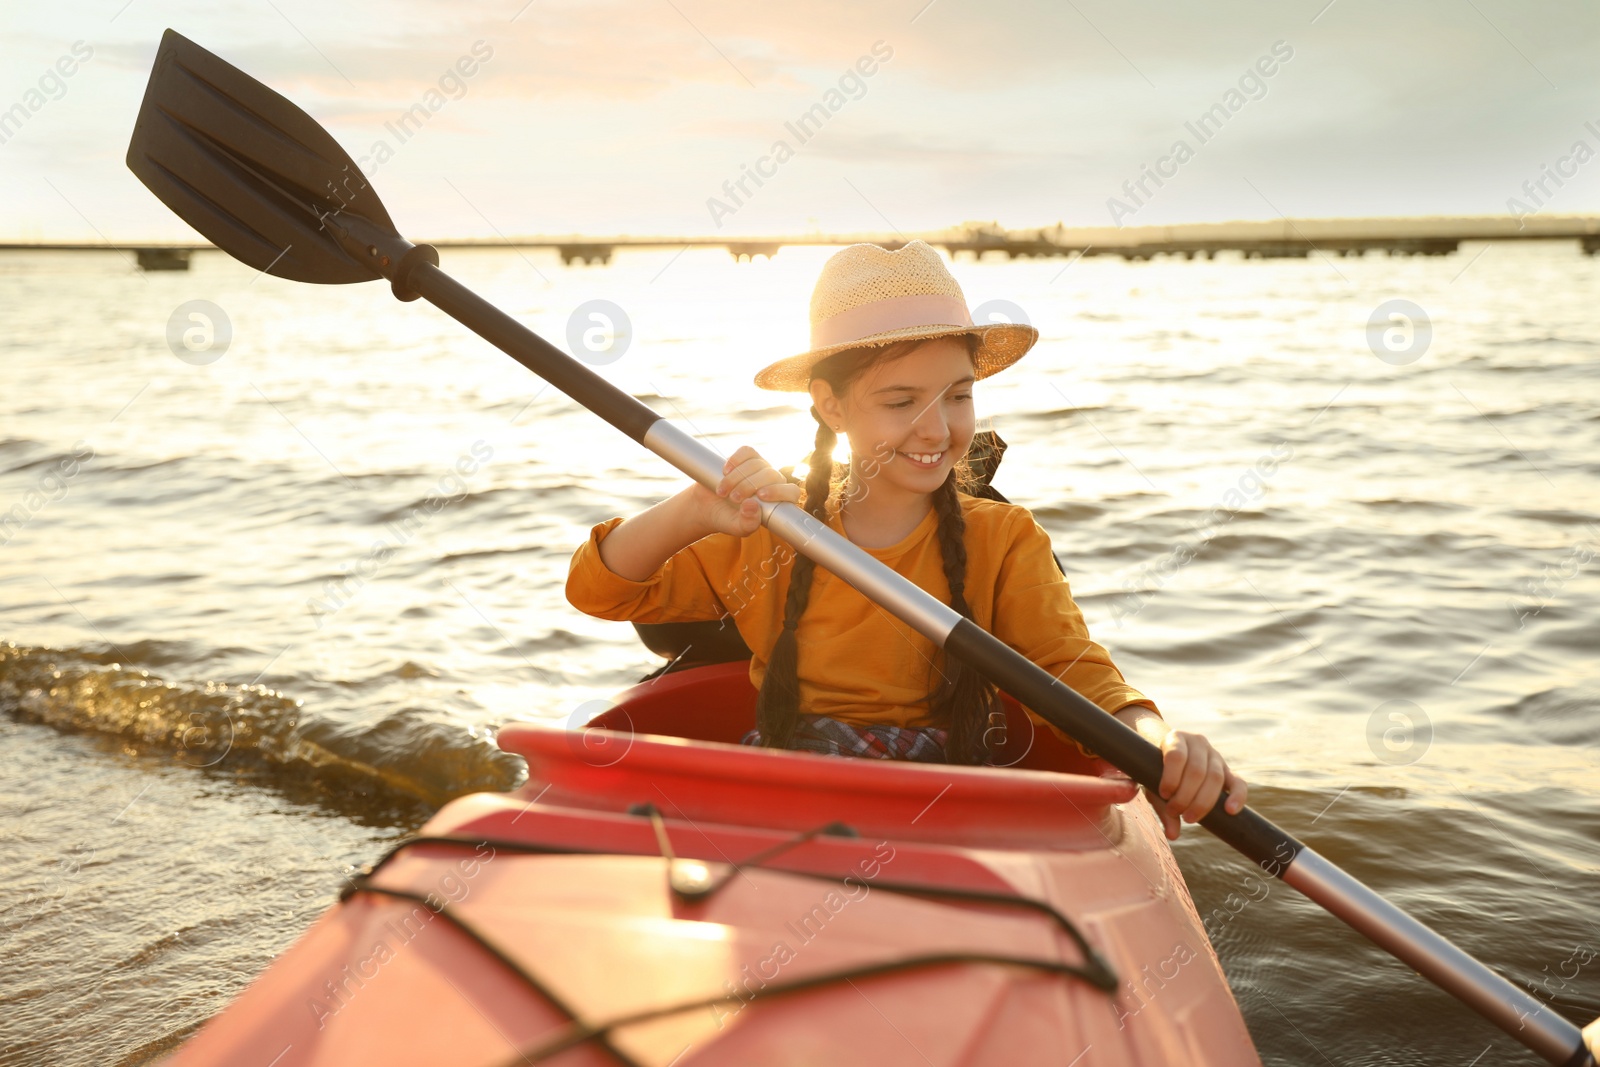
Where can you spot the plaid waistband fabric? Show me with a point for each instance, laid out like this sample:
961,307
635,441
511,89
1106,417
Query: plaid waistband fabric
832,737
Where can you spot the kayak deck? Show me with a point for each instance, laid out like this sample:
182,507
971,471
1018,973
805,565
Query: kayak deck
662,901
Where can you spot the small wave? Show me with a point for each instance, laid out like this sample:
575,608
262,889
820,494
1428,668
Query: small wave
148,578
1054,415
151,1051
426,507
184,937
1070,511
407,671
1190,519
384,770
148,653
1543,413
1581,636
100,463
1220,376
1332,410
1546,339
1243,645
1565,715
483,553
1258,546
62,461
1559,518
1403,504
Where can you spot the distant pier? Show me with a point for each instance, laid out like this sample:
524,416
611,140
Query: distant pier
163,258
1281,239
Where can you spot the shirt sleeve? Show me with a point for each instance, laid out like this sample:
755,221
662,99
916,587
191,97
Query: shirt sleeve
683,590
1035,614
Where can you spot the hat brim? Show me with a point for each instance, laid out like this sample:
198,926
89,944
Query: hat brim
1002,344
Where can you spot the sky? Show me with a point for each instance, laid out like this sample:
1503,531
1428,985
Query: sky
607,118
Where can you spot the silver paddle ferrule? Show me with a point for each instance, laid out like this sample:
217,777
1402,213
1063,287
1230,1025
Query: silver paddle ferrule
1519,1014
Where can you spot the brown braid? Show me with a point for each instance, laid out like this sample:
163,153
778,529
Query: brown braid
964,699
778,702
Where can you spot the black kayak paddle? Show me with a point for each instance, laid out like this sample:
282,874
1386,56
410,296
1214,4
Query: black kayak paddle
269,186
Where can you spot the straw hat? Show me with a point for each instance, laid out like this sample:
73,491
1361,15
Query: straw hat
868,295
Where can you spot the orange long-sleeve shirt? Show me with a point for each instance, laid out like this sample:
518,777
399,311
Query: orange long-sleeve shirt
857,662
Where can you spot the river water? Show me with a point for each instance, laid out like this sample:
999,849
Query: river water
265,605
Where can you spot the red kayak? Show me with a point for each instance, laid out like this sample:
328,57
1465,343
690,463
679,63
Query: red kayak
659,895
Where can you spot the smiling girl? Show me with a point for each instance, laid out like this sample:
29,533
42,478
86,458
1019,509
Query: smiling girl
893,360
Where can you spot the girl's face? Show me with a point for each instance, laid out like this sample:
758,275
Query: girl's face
908,420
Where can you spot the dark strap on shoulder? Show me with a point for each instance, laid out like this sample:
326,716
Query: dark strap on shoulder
983,456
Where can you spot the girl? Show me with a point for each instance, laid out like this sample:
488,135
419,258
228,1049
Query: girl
893,359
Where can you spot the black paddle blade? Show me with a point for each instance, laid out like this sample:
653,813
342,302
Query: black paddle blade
252,172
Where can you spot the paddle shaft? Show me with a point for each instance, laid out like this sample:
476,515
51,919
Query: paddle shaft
1272,848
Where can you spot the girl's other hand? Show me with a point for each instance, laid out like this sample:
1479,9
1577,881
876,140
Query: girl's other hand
747,481
1193,776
